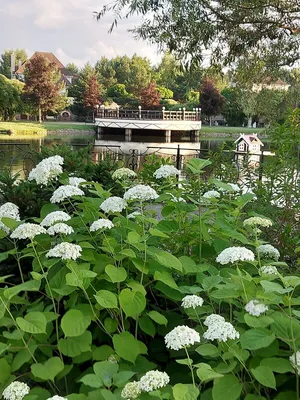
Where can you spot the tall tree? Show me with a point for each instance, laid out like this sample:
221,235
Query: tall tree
42,85
10,97
92,92
106,73
5,62
211,101
150,96
232,109
72,67
248,101
228,28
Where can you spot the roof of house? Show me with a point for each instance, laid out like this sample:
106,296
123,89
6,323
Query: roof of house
250,139
51,57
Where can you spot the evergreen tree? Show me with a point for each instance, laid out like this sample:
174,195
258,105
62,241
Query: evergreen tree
5,61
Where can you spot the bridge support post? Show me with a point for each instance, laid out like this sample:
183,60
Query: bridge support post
99,132
128,133
168,136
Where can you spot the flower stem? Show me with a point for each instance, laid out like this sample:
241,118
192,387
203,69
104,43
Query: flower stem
190,365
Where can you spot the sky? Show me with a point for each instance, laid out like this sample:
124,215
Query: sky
67,29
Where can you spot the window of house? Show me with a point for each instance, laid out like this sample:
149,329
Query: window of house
242,146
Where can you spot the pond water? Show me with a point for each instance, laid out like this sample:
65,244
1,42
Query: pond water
16,153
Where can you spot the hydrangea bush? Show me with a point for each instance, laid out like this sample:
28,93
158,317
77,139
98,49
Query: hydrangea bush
159,294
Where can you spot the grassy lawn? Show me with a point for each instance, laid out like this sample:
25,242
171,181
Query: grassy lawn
228,129
31,128
55,126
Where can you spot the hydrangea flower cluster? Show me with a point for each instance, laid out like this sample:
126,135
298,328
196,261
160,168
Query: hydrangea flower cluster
131,391
4,228
60,228
180,337
211,194
56,397
268,251
255,308
16,391
234,254
268,270
257,221
113,204
74,181
9,210
64,192
55,216
65,251
47,169
219,329
140,193
133,215
295,361
27,231
101,224
192,301
123,173
153,380
165,171
234,187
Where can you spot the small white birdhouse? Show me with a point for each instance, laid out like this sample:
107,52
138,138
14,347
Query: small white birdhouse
248,144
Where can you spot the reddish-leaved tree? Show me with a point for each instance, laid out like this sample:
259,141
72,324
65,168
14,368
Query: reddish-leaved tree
42,84
211,100
92,92
150,96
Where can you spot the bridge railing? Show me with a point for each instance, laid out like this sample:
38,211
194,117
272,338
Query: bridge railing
139,114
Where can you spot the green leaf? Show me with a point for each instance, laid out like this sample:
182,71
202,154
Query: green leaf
255,339
265,376
228,388
185,392
147,326
287,329
133,237
127,347
166,278
158,233
158,318
108,395
258,322
33,322
106,299
273,287
132,303
106,370
116,274
276,364
48,370
168,260
4,371
208,350
128,253
92,380
255,397
74,346
32,286
74,323
23,356
206,373
196,165
121,378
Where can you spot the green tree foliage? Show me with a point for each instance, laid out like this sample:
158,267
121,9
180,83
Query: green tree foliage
230,29
164,92
72,67
232,110
42,86
10,97
268,105
211,100
5,61
105,72
248,103
119,94
78,89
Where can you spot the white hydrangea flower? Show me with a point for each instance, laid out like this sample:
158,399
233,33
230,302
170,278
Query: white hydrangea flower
211,194
74,181
153,380
101,224
16,391
9,210
56,397
113,204
141,193
268,270
255,308
180,337
131,391
257,221
60,228
133,215
177,199
295,361
268,251
27,231
64,192
123,173
219,329
234,254
55,216
192,301
234,186
47,169
165,171
4,228
65,251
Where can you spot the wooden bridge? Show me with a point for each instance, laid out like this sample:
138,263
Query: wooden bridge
161,120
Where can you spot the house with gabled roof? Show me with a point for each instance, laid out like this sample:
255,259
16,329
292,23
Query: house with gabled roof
248,143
